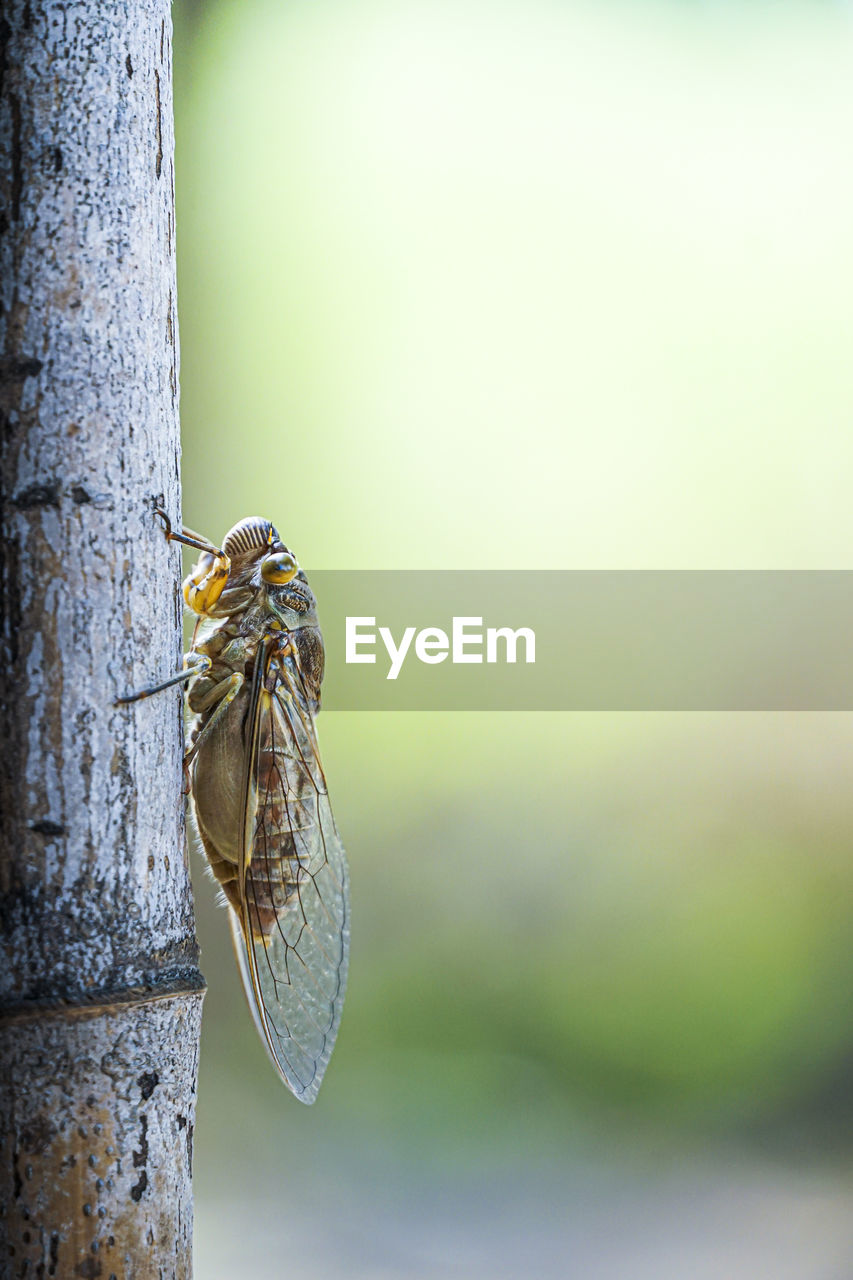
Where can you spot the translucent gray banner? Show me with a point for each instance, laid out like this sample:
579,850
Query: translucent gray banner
615,640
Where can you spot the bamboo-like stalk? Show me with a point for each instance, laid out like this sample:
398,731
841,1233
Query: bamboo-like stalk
99,981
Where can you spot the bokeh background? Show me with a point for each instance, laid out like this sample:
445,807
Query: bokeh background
538,284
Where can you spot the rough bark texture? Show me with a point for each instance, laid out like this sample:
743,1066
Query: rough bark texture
99,981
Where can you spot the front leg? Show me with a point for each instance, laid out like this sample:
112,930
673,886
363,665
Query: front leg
187,537
206,582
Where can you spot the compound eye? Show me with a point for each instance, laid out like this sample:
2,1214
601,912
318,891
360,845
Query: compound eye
279,568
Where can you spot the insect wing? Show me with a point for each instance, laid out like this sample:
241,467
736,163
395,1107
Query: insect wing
292,939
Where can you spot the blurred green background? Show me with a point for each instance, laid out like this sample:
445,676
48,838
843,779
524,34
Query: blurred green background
545,285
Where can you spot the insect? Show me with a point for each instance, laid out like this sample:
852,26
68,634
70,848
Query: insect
258,792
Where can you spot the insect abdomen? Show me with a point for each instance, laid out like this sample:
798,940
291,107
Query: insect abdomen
285,829
271,887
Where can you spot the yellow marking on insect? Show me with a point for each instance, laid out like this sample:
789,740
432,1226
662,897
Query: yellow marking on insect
205,584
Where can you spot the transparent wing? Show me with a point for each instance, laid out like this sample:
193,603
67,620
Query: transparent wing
292,936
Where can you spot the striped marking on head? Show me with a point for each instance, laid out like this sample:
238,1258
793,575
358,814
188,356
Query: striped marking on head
252,534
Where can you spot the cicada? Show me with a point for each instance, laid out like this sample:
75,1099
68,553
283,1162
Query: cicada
258,793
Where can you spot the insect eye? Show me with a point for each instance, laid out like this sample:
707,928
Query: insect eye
279,568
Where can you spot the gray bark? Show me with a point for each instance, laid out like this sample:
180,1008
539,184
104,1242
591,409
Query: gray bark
99,984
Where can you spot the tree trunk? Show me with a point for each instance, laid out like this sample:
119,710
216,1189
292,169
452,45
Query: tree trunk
100,989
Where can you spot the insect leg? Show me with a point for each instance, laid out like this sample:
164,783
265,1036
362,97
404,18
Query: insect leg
196,665
188,537
220,697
